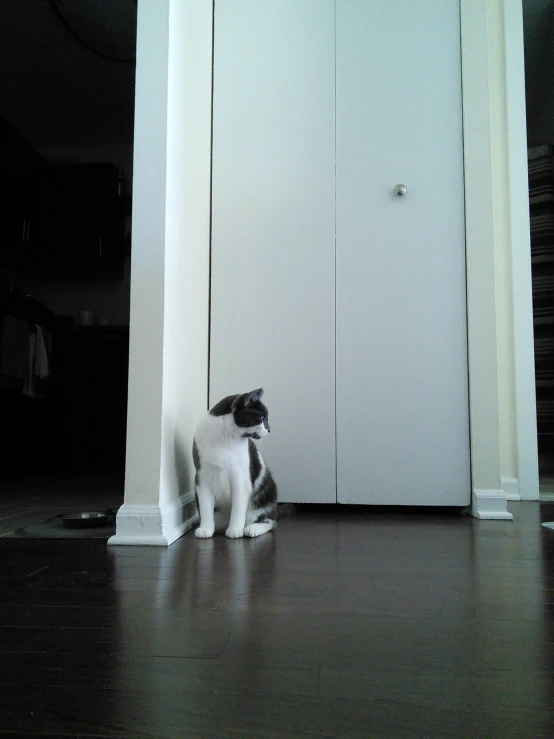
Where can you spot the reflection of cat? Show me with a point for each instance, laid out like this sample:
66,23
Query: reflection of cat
234,487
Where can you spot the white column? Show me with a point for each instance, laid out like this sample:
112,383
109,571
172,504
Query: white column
524,357
168,354
488,500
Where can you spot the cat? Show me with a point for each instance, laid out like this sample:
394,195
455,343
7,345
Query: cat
235,490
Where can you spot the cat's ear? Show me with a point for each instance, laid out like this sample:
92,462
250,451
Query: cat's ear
255,395
243,401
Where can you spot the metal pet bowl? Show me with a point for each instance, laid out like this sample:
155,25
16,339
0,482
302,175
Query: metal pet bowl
84,520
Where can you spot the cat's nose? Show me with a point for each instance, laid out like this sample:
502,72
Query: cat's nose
267,427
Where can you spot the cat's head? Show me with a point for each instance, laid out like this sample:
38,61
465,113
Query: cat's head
250,415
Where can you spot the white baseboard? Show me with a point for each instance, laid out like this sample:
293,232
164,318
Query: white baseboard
510,486
154,525
490,504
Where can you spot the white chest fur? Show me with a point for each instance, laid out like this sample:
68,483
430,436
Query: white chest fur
224,458
218,445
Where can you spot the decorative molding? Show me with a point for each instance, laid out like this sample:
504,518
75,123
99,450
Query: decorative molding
490,504
510,486
155,525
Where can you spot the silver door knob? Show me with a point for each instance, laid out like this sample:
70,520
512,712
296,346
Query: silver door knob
400,190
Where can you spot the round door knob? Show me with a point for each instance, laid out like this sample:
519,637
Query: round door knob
400,190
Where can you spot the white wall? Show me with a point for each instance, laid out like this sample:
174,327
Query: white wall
512,293
185,344
481,294
170,277
502,242
520,250
148,251
516,388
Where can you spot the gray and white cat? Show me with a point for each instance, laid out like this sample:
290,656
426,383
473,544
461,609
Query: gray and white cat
234,487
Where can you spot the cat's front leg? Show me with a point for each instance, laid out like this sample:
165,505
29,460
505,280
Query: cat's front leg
206,501
239,506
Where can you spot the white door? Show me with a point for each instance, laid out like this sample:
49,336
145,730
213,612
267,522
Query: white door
273,230
402,382
326,288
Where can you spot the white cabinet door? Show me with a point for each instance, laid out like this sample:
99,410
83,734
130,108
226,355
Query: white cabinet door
402,382
382,300
273,230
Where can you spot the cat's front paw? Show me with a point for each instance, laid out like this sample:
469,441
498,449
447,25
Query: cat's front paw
234,532
203,533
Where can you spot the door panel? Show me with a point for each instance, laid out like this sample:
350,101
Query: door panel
273,242
402,396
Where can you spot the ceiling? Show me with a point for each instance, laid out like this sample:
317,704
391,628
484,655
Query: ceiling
55,90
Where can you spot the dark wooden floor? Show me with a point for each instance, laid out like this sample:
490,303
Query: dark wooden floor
351,626
31,500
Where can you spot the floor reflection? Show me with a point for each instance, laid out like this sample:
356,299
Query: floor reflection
438,611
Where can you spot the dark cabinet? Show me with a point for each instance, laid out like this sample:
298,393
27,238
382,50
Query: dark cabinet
78,423
80,212
21,170
90,394
19,220
60,219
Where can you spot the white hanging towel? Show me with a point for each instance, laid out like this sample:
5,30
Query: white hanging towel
37,361
41,355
